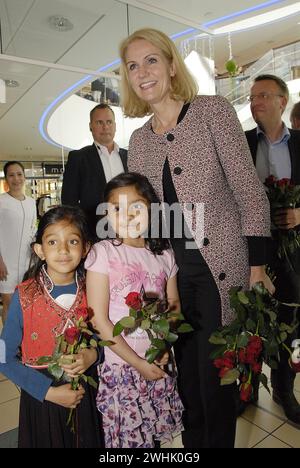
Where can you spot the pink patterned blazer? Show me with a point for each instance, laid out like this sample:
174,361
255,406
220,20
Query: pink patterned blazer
210,163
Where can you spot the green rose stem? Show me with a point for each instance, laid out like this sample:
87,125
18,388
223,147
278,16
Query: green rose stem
74,386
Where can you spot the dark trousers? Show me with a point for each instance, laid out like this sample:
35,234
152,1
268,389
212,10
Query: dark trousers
287,284
210,410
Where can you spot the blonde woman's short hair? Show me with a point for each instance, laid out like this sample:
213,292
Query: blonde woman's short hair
183,85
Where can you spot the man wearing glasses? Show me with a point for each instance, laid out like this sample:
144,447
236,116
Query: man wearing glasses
89,169
276,151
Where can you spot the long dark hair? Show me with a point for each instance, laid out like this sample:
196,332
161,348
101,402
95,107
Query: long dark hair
142,185
73,215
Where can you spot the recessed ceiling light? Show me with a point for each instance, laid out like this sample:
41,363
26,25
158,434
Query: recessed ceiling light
12,83
59,23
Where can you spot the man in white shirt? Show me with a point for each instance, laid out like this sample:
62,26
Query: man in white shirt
276,151
89,169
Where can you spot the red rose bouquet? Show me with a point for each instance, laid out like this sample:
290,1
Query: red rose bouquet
161,324
283,194
253,338
76,337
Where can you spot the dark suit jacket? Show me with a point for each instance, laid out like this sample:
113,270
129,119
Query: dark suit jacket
84,180
294,148
287,283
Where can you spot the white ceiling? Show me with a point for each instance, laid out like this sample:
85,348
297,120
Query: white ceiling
99,26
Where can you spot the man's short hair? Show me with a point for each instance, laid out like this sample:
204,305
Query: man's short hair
295,113
100,106
282,84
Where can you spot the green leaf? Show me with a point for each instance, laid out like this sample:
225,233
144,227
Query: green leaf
217,340
44,360
251,325
264,380
92,382
230,377
171,337
133,313
242,297
161,326
151,354
128,322
242,340
184,328
159,344
93,343
106,343
56,371
218,352
283,336
118,328
146,324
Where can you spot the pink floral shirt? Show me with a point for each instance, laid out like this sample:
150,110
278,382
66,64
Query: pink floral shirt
129,269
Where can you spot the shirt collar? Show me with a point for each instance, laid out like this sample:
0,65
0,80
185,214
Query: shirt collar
47,281
103,148
285,136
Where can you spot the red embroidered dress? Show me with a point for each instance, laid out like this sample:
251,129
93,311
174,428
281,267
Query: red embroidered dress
43,318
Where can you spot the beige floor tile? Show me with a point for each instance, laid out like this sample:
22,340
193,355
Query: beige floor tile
271,442
8,391
262,418
297,382
2,377
265,402
177,442
248,435
9,412
289,434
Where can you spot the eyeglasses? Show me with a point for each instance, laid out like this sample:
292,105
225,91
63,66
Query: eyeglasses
262,96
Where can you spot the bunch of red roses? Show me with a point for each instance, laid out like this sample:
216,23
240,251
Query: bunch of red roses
251,339
76,337
161,323
284,194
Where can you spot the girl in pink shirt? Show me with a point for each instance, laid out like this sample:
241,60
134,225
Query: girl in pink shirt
138,400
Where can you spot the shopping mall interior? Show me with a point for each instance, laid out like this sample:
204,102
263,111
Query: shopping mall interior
60,58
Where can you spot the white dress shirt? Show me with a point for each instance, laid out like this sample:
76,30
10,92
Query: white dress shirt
111,162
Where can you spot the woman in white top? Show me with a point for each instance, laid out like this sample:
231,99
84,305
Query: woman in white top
17,228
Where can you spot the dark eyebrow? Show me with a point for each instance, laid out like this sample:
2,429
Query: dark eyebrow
149,55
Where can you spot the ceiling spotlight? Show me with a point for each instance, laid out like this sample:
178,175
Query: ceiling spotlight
59,23
12,83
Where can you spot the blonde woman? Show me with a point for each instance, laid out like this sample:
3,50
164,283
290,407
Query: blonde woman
193,151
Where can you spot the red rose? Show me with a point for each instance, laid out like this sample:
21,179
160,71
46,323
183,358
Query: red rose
223,362
230,355
245,391
134,300
71,335
283,182
242,355
224,371
81,313
295,366
254,346
256,367
269,182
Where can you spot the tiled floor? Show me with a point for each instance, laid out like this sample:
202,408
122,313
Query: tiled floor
261,426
